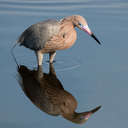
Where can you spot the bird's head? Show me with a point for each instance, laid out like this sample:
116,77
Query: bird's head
81,23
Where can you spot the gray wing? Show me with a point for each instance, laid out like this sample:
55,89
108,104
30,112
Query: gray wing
38,34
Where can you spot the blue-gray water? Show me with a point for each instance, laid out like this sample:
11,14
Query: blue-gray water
95,75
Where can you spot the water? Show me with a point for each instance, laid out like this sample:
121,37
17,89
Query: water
100,73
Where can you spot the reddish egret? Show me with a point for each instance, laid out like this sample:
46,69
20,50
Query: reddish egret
48,94
51,35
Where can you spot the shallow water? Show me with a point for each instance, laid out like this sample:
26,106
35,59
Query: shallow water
95,75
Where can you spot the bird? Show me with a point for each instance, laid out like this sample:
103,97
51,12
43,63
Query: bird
51,35
47,93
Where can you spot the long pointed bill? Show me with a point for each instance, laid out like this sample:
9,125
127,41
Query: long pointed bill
94,37
89,113
87,29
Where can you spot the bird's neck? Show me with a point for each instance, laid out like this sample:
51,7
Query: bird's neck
68,20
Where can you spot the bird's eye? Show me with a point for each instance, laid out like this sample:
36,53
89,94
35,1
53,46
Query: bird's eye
79,23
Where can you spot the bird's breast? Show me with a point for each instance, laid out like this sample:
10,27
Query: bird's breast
69,38
63,40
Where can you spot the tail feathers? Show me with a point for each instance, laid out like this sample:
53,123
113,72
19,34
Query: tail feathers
21,39
12,49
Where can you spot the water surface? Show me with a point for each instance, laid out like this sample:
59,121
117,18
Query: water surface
99,75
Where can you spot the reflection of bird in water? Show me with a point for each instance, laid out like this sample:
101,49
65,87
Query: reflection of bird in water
48,94
51,35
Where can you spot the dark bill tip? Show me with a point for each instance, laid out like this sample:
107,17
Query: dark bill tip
95,109
94,37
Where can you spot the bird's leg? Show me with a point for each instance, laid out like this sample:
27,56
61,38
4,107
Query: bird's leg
51,69
39,56
39,73
52,56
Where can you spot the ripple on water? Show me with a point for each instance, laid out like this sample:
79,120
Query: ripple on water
65,64
56,7
28,58
60,65
39,8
